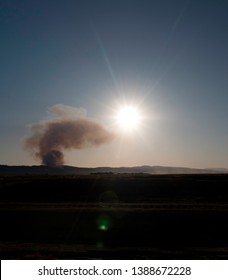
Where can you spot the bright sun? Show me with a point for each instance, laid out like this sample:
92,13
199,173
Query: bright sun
128,118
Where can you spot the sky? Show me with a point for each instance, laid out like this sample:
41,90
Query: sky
168,58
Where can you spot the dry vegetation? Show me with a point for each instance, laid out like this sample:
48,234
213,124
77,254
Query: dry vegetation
108,216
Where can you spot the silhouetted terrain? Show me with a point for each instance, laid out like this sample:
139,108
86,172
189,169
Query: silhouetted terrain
114,216
64,169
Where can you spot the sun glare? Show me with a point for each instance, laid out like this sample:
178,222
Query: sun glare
128,118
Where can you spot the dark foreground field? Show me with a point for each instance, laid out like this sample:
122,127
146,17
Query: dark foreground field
114,217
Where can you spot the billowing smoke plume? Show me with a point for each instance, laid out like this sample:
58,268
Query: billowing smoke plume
71,130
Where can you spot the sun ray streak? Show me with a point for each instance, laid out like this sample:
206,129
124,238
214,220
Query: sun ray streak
107,62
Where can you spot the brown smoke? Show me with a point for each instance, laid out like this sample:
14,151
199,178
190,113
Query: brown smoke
49,139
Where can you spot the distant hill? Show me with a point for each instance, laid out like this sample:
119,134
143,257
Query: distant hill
41,169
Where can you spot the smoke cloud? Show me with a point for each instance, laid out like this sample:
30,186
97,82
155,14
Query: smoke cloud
70,130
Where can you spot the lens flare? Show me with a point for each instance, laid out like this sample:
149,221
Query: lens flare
104,223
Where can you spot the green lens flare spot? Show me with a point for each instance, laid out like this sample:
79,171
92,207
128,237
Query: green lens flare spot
100,245
104,223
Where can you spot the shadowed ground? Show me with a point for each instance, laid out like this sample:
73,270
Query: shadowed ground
114,217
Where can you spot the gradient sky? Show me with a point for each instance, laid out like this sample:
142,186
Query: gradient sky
170,57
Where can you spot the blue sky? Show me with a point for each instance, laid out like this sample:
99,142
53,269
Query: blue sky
168,56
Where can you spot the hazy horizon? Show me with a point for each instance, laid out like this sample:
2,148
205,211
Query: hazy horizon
133,166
